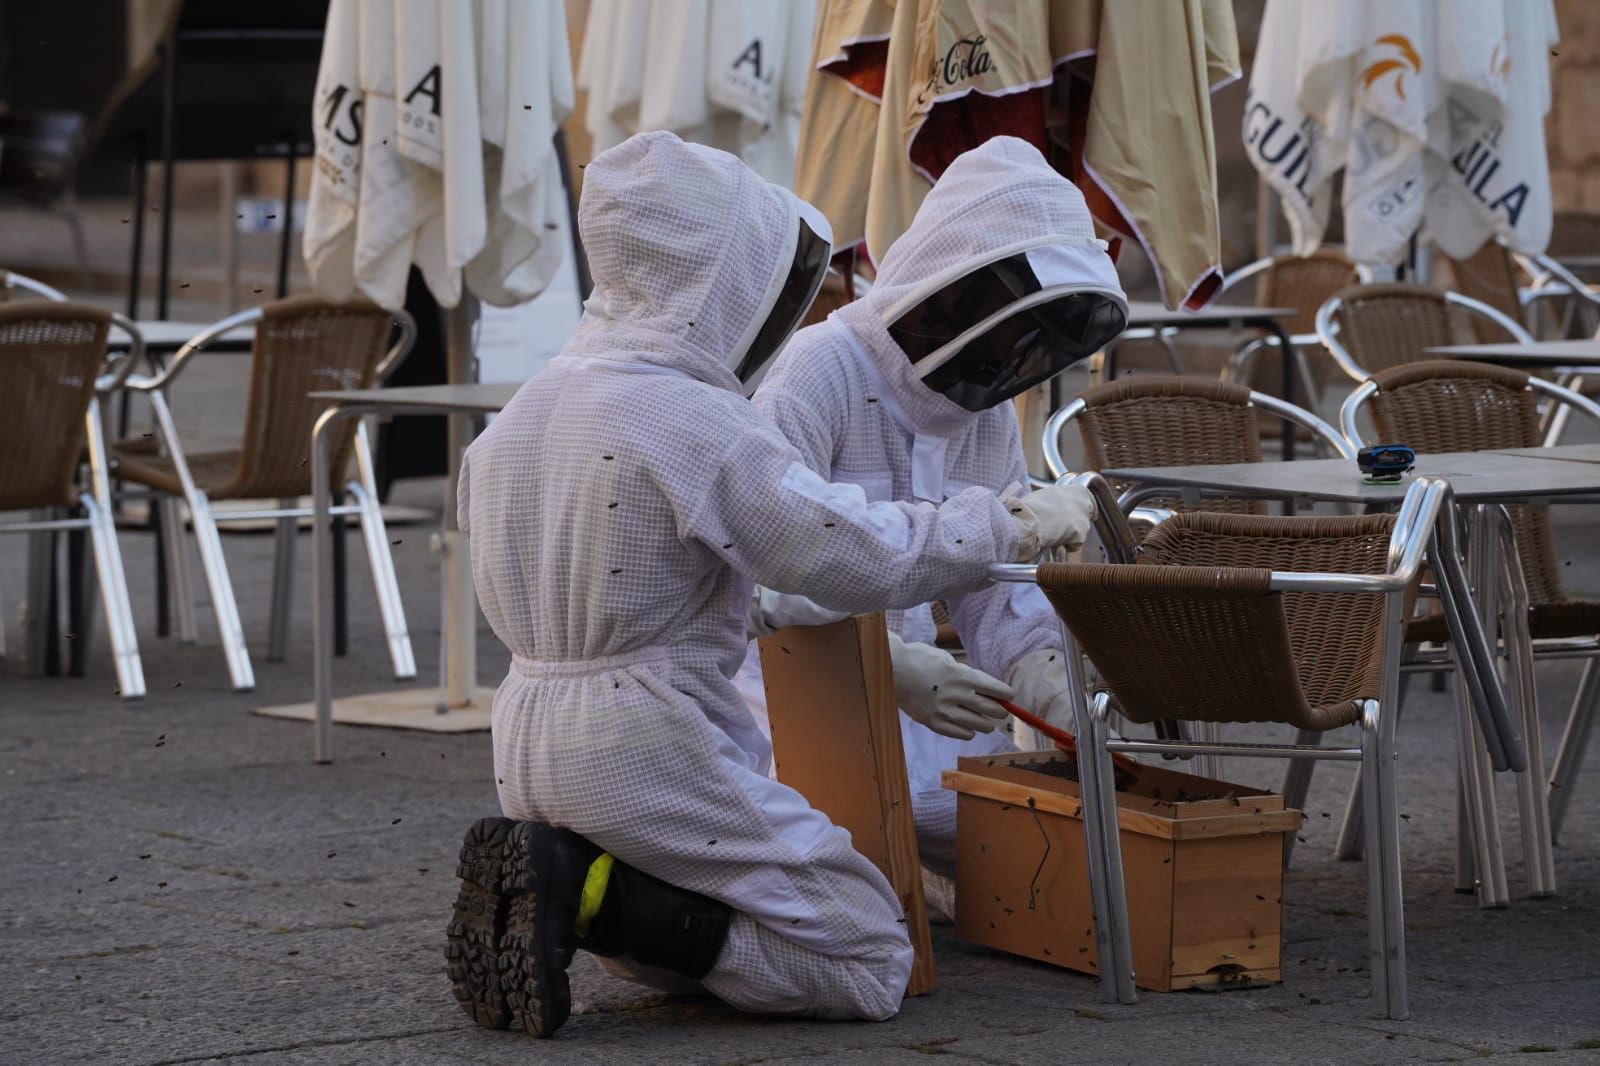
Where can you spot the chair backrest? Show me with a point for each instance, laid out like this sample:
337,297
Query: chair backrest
1368,328
302,345
1575,233
1192,630
50,355
1452,406
1304,283
1166,420
40,154
1490,276
15,286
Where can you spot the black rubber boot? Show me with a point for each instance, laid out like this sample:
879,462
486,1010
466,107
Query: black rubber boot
479,922
657,924
548,867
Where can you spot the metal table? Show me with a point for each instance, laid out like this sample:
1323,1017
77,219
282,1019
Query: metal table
1145,314
1481,480
163,337
460,605
1540,355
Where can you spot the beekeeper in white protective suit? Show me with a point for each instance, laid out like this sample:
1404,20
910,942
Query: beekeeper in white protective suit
615,509
997,285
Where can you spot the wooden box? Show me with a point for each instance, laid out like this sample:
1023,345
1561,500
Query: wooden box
1202,861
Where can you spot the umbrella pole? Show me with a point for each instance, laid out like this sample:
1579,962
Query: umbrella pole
458,653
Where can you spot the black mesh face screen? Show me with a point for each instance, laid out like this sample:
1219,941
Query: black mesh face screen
799,289
1016,353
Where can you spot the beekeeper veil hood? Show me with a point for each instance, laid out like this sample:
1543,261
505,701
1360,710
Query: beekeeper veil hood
999,283
698,262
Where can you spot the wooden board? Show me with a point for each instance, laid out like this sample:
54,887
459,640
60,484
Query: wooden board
836,740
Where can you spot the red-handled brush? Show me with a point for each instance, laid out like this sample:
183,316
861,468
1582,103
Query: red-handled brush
1065,740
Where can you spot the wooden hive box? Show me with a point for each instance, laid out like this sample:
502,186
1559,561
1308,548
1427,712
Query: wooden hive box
1202,860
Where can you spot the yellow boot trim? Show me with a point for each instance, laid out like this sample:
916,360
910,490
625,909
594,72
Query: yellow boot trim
594,892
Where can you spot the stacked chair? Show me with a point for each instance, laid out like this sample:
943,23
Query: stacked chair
301,345
54,364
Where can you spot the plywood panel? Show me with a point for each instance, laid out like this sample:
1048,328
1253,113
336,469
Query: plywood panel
836,740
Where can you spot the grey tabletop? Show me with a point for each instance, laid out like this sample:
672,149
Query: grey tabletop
167,336
1570,453
1527,474
479,398
1149,313
1537,354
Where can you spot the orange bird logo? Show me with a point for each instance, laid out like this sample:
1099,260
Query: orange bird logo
1409,59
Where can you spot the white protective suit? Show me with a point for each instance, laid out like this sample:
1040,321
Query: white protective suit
846,396
615,507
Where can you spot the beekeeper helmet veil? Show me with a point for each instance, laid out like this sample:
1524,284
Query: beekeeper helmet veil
695,255
999,283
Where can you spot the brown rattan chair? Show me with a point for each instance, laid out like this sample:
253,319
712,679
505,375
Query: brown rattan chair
1518,286
15,286
53,363
1303,283
1446,406
1369,328
1250,618
1164,420
301,345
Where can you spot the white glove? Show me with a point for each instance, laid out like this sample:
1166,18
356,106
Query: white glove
1056,516
1040,678
947,697
770,611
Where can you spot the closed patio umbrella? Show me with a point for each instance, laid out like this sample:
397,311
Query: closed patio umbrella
1116,95
435,125
1434,111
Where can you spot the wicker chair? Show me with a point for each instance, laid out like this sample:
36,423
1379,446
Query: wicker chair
53,363
1519,285
1373,327
1161,420
21,287
1249,618
1444,406
301,345
1303,283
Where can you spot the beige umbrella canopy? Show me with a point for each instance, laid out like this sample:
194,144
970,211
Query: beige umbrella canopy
1116,94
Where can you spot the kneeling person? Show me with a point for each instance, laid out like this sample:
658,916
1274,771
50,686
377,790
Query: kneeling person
619,509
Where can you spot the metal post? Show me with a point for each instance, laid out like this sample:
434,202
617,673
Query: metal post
1474,759
1102,840
322,585
169,98
1574,740
288,218
136,255
459,624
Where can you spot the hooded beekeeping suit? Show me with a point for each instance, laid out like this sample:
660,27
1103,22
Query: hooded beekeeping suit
614,508
997,284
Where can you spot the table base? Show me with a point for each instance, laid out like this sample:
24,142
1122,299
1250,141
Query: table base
407,708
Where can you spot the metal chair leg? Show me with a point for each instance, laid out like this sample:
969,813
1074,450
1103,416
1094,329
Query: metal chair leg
1297,785
215,567
1351,844
1102,842
381,558
385,583
1385,906
108,565
179,578
1574,742
41,564
80,620
114,595
1533,794
282,583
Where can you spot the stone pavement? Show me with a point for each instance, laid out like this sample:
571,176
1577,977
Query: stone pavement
181,884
